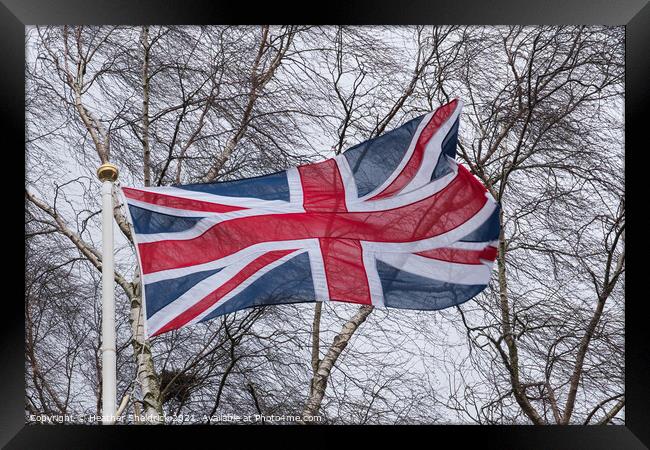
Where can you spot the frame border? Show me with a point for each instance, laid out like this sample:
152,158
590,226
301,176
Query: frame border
634,14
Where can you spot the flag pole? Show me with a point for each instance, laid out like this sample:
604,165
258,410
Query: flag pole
107,174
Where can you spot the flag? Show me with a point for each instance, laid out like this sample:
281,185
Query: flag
392,222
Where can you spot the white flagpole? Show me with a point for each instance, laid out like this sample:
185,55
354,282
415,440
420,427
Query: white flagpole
107,173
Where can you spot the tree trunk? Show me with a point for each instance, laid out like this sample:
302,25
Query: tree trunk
315,337
320,377
512,361
146,376
146,154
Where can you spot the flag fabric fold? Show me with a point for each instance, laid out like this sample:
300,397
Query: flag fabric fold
392,222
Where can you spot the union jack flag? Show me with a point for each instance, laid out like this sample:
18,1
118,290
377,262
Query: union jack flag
392,222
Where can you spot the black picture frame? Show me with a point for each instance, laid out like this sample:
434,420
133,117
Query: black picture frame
16,14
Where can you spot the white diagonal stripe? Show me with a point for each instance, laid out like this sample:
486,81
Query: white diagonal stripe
244,284
254,250
442,240
432,153
245,202
405,159
439,270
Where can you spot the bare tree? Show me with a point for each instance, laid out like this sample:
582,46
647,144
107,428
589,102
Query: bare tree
542,129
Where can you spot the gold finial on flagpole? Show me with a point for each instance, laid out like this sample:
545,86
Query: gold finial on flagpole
107,172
